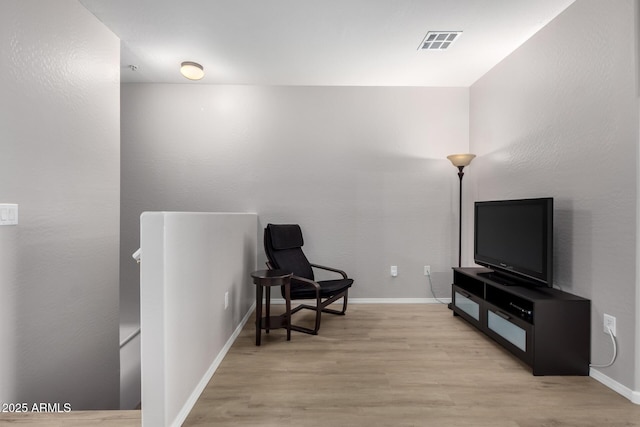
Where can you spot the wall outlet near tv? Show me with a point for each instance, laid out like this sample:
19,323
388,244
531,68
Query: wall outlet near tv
8,214
394,270
609,323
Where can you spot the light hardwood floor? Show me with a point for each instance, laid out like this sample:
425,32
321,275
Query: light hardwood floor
383,365
395,365
72,419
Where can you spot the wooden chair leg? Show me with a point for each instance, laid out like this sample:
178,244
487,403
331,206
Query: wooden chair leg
319,308
344,303
334,299
318,314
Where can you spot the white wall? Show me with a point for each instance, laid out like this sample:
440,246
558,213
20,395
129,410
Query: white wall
188,262
363,170
60,154
559,118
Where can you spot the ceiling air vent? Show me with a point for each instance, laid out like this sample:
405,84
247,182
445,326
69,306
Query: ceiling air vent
439,40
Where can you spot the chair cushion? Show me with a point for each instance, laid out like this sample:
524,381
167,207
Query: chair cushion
295,261
328,288
288,255
285,236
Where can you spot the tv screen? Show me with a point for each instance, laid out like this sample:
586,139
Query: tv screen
515,238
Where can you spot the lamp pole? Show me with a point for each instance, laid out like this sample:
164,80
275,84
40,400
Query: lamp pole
460,175
460,161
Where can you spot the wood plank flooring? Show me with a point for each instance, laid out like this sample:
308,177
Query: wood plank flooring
395,365
73,419
380,365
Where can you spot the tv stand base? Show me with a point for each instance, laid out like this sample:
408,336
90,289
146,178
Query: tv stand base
548,329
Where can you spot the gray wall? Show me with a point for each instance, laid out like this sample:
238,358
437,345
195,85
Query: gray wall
364,170
559,118
59,139
189,261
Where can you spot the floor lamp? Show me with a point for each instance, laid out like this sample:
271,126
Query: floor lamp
460,161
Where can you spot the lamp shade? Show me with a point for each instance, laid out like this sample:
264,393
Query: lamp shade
192,70
461,159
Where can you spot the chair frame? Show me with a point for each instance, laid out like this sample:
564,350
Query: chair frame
320,306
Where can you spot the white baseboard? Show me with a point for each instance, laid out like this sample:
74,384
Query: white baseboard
278,301
633,396
188,406
399,300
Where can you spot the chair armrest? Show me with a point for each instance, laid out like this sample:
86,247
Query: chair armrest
300,279
335,270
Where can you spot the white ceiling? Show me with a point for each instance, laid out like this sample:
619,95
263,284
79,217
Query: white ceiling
319,42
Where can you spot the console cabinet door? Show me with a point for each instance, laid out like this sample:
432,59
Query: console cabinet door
467,305
513,333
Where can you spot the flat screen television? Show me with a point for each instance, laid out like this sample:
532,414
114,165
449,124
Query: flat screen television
514,238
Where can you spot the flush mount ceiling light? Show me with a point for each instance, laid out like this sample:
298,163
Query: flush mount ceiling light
439,40
192,70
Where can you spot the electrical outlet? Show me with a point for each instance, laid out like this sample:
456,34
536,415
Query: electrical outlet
427,270
610,323
394,270
226,300
8,214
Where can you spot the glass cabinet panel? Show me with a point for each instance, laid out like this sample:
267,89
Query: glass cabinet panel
507,330
467,305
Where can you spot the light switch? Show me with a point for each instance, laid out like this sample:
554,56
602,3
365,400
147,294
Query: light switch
8,214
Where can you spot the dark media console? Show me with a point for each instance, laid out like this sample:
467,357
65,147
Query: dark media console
548,329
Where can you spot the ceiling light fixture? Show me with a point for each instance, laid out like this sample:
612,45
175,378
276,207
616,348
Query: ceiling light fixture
439,40
192,70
